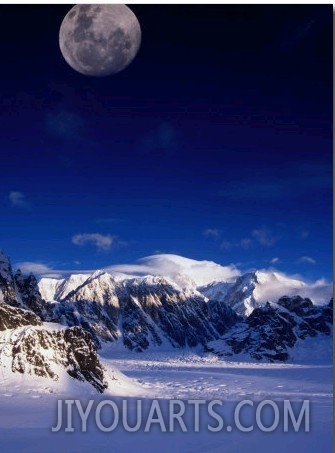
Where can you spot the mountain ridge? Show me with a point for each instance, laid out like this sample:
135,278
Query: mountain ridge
224,317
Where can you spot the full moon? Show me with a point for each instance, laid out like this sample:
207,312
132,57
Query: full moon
99,40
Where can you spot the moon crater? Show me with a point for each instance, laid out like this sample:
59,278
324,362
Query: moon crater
99,40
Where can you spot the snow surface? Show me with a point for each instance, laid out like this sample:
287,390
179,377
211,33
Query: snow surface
54,289
29,404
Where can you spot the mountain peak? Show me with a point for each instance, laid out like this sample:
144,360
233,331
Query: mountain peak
199,272
5,266
96,274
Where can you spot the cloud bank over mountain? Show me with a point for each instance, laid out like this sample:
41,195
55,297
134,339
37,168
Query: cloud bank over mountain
200,272
189,273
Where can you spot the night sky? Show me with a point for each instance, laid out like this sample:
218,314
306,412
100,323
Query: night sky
215,143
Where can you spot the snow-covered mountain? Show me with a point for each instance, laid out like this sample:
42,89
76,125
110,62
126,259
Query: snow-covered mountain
142,312
20,291
153,310
48,348
30,346
53,289
243,292
273,330
185,272
254,289
183,308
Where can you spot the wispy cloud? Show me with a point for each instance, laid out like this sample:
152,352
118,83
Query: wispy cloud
306,259
244,243
212,233
227,245
275,260
162,140
102,242
108,220
69,127
38,269
264,237
45,270
304,234
65,124
260,191
290,38
18,200
261,236
305,179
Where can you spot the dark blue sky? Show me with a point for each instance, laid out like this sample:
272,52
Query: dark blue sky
215,143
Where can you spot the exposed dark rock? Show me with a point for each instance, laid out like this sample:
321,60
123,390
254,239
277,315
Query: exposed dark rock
12,317
272,330
82,358
37,351
30,295
145,312
149,311
8,292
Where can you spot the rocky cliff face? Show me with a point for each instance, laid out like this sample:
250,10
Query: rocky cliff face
150,311
143,312
8,290
30,297
21,291
27,345
12,318
271,331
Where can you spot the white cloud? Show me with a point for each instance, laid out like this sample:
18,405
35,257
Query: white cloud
37,269
273,285
264,237
44,270
102,242
201,272
18,200
306,259
320,291
212,232
274,260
